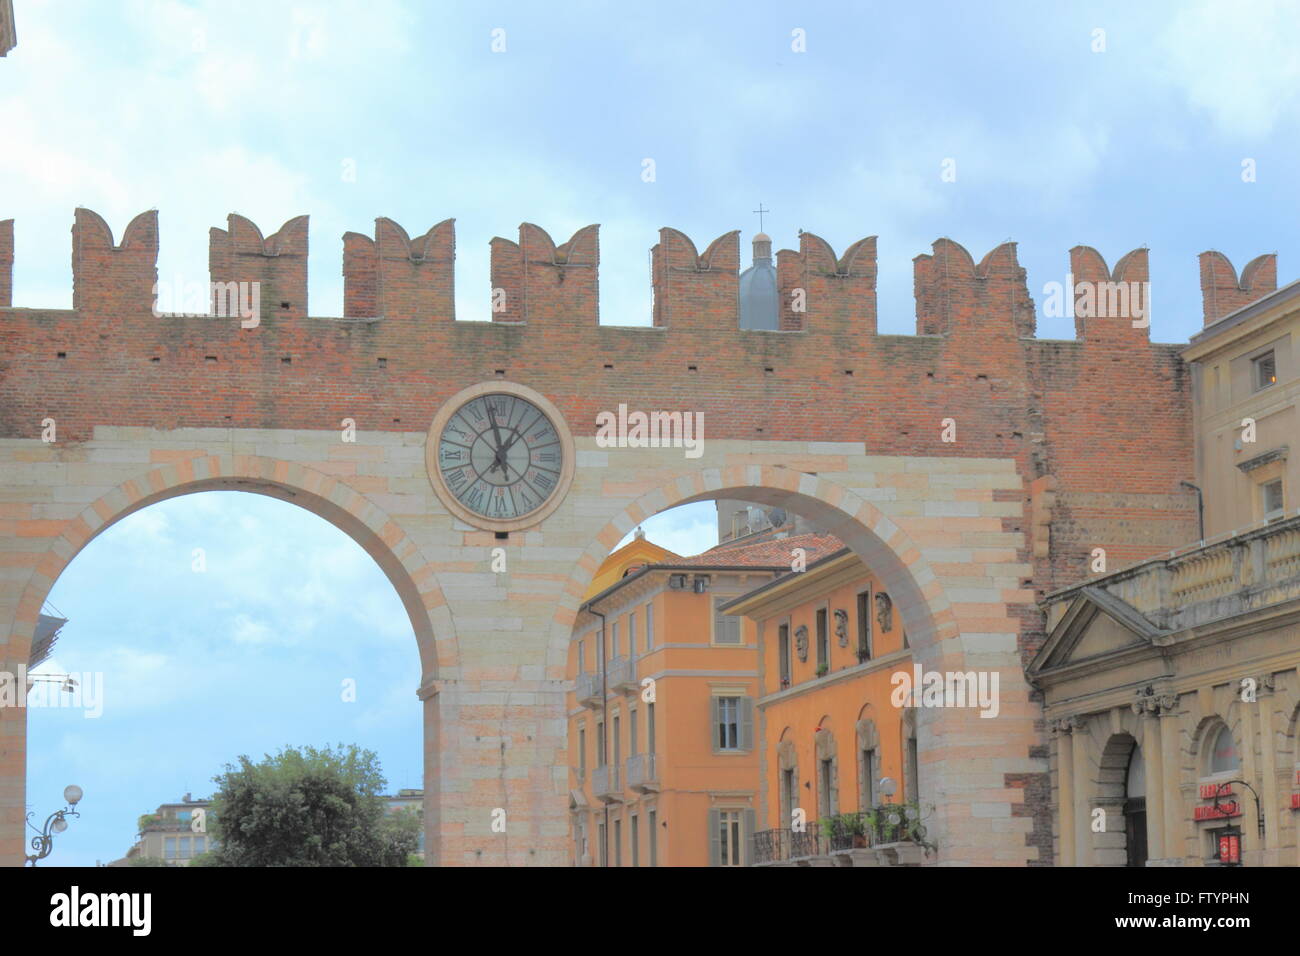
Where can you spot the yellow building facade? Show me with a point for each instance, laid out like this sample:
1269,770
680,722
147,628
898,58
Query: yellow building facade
838,745
664,759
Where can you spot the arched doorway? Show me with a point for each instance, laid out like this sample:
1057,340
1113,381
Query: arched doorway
1121,793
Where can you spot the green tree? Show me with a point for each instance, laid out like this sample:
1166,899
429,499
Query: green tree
308,807
146,861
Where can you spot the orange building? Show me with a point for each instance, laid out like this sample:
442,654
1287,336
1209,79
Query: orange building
838,755
663,762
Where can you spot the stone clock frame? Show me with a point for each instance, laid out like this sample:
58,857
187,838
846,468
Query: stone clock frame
449,500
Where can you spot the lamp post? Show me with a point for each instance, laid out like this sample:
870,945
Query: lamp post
56,822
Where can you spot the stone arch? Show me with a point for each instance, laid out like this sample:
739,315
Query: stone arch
880,543
412,575
944,738
1109,792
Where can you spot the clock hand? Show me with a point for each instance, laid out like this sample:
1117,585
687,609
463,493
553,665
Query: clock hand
496,458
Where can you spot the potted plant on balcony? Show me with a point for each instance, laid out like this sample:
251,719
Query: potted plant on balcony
857,826
822,668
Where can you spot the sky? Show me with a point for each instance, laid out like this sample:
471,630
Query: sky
1058,135
1114,125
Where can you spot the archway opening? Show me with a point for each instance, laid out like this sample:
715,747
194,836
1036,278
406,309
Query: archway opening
205,624
729,543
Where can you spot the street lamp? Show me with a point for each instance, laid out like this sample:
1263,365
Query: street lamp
56,822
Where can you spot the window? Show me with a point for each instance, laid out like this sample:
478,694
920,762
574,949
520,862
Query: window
169,848
631,732
790,789
618,744
729,838
579,840
864,625
200,845
823,643
826,806
783,653
1272,495
633,835
604,852
618,842
1264,368
582,753
601,748
728,723
869,779
184,848
631,634
1223,755
582,657
654,837
613,640
649,626
733,723
649,728
726,627
912,779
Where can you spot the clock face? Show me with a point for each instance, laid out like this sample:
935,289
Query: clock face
500,456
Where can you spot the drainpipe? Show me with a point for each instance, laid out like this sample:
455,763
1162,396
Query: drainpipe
1200,508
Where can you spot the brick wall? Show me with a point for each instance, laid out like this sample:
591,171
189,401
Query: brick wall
1107,414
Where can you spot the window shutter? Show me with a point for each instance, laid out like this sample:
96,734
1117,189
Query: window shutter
714,718
715,845
747,825
746,723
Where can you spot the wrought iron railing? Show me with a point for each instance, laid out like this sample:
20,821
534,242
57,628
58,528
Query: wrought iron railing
845,831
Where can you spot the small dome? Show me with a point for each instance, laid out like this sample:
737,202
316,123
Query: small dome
759,299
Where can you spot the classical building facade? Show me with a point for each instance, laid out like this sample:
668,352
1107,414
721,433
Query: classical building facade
1171,687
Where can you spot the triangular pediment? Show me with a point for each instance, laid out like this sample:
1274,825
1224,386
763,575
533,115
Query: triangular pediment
1095,625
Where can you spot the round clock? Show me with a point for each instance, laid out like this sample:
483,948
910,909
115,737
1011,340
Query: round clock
500,456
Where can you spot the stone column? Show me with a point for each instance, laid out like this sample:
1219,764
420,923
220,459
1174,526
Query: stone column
1064,789
1267,782
1171,780
13,766
1153,767
1082,779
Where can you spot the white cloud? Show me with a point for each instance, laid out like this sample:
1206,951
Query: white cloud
1235,59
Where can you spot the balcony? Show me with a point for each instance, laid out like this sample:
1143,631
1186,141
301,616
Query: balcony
588,692
1190,588
641,774
605,784
885,836
622,674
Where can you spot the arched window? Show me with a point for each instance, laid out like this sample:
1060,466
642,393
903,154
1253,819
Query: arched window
1223,756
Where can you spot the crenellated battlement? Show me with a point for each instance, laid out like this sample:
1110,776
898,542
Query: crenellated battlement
409,283
1222,292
